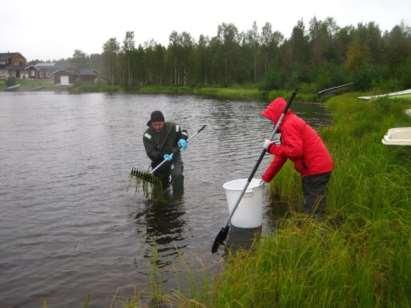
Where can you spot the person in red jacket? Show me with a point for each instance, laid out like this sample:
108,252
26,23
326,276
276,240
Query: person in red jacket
299,142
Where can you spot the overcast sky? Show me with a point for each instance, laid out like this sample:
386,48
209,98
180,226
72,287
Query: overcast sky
52,29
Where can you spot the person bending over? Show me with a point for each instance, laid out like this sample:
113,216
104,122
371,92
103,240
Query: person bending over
300,143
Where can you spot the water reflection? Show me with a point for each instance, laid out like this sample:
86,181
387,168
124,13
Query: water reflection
163,219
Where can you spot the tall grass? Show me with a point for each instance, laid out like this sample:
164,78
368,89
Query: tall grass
35,84
227,93
360,255
93,88
230,93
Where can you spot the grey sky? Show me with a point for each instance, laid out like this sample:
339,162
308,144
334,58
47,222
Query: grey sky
52,29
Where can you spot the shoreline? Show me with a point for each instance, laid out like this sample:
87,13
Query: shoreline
242,93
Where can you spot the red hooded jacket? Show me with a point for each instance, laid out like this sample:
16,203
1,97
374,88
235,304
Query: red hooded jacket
299,143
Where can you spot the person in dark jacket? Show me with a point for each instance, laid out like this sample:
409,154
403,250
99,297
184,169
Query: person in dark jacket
300,143
163,141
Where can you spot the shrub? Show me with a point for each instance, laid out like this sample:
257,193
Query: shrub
11,81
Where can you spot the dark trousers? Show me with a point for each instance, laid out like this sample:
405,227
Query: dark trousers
177,177
172,173
315,189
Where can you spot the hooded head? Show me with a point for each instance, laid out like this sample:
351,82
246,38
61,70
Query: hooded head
273,111
156,116
156,121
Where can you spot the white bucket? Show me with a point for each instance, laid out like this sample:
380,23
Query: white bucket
249,213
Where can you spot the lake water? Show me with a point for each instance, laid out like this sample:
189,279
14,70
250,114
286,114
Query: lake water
72,223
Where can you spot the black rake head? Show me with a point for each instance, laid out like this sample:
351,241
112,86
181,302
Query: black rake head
145,176
220,239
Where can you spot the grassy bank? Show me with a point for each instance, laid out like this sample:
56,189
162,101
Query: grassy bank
94,88
360,255
229,93
214,92
251,92
31,85
36,85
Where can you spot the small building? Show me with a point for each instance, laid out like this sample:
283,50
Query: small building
12,64
68,77
87,75
41,70
64,77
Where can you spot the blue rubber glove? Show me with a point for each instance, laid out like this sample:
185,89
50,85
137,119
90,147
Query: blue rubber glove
182,144
168,157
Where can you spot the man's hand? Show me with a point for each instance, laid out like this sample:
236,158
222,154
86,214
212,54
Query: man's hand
168,157
182,144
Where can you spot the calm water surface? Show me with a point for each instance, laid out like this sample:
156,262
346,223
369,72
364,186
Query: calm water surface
71,221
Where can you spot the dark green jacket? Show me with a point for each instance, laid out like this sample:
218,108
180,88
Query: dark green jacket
164,142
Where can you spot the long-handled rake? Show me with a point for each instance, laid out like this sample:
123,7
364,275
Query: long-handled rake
149,176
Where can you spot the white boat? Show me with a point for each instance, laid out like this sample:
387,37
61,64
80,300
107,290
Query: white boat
397,136
13,88
399,93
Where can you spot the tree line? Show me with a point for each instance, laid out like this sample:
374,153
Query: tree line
319,54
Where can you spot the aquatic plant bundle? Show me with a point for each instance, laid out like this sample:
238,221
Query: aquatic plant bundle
152,190
145,176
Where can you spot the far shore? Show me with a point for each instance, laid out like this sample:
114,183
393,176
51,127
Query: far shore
243,93
306,93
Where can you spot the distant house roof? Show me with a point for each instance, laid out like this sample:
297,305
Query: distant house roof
45,65
79,72
87,72
51,67
5,56
16,67
8,55
64,72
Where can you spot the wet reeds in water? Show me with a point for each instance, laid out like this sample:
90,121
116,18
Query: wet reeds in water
360,254
151,187
145,176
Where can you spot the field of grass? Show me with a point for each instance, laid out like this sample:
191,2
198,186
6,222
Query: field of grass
228,93
406,97
31,85
94,88
360,255
35,84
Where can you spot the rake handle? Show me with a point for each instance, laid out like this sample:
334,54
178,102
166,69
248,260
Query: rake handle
164,160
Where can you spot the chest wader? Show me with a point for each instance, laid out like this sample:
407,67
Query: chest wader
177,177
314,190
172,173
